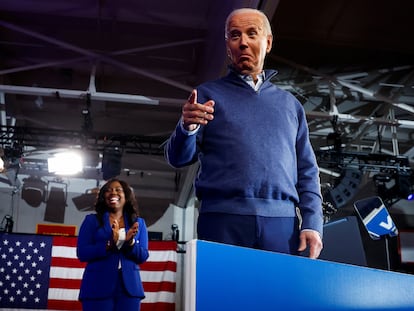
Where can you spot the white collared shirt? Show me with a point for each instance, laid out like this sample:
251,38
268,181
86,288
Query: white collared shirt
249,80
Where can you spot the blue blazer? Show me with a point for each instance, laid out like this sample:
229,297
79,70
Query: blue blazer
101,272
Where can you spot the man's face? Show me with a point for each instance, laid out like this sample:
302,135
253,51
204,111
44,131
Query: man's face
247,42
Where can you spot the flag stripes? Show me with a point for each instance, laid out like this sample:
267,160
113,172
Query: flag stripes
49,264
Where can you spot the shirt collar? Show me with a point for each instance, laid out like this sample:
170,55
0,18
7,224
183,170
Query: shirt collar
249,80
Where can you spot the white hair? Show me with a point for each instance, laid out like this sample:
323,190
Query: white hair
266,23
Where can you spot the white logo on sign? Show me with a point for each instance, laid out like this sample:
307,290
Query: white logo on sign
387,225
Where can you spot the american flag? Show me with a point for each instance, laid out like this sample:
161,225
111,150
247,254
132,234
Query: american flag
40,272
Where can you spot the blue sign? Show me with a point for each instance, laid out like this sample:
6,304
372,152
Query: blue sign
376,218
381,223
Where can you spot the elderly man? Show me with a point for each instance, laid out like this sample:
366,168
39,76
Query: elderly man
258,182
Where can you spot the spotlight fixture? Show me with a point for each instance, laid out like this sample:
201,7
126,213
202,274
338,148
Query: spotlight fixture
34,191
404,183
394,185
65,163
345,189
111,162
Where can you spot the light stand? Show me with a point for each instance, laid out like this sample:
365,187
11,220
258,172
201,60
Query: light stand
377,221
387,252
7,224
175,232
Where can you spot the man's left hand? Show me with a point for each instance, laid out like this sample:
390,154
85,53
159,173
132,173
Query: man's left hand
312,240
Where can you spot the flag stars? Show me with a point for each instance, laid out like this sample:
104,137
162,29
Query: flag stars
25,265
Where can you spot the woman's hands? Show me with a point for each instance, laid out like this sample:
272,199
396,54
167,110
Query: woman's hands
115,231
132,232
129,236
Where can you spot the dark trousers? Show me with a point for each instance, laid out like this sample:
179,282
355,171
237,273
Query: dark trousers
278,234
120,301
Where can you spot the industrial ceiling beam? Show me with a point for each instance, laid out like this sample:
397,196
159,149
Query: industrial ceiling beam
77,94
332,79
116,53
348,118
95,56
19,137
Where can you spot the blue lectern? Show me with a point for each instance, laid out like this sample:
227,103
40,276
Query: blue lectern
222,277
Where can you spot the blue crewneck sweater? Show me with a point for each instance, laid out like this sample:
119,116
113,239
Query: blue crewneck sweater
255,156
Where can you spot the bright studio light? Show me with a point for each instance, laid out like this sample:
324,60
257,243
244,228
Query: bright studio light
65,163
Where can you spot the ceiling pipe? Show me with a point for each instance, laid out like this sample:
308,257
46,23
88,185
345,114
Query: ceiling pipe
347,118
42,65
83,58
76,94
37,91
93,55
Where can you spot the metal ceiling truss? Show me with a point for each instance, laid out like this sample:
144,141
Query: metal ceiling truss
103,58
359,101
14,137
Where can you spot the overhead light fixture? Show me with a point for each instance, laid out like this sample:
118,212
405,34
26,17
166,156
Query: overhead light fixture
111,162
345,189
65,163
404,183
34,191
393,186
